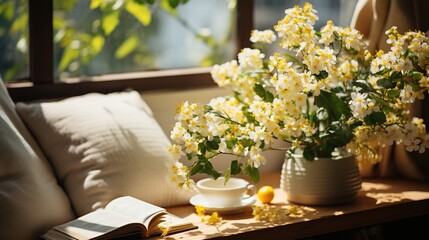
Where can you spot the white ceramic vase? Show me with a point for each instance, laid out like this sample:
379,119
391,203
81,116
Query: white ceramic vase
324,181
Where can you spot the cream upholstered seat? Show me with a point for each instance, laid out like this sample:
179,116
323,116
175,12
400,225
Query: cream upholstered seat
31,201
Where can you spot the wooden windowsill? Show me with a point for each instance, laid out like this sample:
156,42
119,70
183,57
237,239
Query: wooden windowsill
379,201
174,79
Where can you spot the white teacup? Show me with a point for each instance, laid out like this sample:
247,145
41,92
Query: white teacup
220,193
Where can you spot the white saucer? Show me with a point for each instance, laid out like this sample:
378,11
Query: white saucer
246,202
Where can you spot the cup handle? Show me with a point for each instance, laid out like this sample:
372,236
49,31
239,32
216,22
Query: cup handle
251,190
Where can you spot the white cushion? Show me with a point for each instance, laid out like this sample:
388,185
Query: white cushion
31,201
104,146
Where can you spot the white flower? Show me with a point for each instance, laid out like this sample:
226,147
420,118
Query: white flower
250,59
407,94
322,59
190,144
179,175
410,131
256,158
412,144
359,105
266,36
178,132
225,74
175,152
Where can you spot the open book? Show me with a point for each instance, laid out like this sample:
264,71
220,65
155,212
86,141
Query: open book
123,216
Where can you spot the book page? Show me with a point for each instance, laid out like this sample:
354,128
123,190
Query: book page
174,223
150,215
97,223
134,208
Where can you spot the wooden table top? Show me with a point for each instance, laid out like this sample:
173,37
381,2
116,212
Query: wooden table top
380,200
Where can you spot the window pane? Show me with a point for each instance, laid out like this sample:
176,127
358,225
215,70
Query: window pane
13,39
99,37
269,12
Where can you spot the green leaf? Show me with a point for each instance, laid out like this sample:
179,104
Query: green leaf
95,4
19,24
213,145
247,143
203,165
263,93
417,76
366,86
110,22
259,90
313,117
406,53
231,143
173,3
97,43
128,46
337,36
140,11
322,75
395,75
202,148
235,167
337,135
198,167
253,173
249,116
165,5
70,54
150,1
269,97
8,10
385,83
393,93
375,118
227,174
308,153
294,59
387,109
335,107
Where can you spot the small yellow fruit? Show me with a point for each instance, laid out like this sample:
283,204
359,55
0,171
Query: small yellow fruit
266,194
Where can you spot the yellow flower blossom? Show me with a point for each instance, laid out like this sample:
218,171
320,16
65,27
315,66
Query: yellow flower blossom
275,213
165,228
212,219
200,210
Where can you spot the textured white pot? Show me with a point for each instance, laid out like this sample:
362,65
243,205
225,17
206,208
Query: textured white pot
324,181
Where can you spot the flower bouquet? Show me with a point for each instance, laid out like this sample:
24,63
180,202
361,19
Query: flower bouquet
322,92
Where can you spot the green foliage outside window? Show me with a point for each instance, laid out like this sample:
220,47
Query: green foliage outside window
112,37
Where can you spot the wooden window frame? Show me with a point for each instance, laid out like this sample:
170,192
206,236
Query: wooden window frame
41,83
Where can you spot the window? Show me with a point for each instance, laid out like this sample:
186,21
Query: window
80,46
45,66
14,39
102,37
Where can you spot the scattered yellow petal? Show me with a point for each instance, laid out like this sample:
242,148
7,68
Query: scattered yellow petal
273,213
200,210
214,218
164,228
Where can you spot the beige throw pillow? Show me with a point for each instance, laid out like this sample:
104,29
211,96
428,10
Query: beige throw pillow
31,201
104,146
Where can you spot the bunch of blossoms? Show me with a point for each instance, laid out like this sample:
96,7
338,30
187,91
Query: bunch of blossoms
324,91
